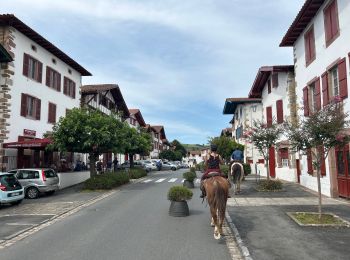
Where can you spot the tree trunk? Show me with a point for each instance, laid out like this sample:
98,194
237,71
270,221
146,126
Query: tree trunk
319,192
92,158
267,169
131,156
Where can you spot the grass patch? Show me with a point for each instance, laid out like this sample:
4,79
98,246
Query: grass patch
308,218
106,181
269,185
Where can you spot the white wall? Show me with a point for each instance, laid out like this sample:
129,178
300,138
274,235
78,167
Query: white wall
325,56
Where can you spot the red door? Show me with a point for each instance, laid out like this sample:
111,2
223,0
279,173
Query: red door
343,172
272,162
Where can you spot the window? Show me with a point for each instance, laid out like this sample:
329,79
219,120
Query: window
312,97
334,81
30,107
331,23
268,86
283,157
32,68
269,116
52,113
53,79
274,80
309,40
69,87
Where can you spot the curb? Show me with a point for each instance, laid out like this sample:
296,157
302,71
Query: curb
242,247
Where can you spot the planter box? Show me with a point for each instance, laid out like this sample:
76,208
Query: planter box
343,224
188,184
179,209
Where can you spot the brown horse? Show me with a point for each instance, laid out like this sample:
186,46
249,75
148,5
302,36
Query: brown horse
217,192
237,175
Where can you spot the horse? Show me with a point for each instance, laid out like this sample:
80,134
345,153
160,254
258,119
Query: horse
217,188
237,175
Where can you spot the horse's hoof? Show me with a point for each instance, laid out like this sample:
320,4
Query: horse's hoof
217,236
212,224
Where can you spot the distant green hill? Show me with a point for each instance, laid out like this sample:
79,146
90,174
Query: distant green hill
194,147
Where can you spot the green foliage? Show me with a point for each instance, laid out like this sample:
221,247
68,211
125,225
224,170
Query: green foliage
170,155
179,193
225,146
136,142
190,176
247,169
136,173
192,169
200,167
225,169
178,147
106,181
195,147
270,185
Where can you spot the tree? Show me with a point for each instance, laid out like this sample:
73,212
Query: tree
171,155
88,131
179,147
225,146
137,143
264,137
318,134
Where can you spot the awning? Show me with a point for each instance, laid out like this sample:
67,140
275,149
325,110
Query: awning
34,143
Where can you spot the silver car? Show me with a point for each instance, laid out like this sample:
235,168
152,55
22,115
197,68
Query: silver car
36,181
11,191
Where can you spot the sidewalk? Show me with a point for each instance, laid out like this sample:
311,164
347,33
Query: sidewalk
268,233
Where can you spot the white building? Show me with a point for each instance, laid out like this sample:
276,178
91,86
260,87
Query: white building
160,142
136,121
320,37
244,112
40,85
274,85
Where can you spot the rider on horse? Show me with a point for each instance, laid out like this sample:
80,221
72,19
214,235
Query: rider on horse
213,166
237,155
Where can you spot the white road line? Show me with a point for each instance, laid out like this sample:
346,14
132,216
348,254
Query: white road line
160,180
145,181
172,180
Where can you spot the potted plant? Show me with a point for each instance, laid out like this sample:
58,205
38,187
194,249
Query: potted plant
189,178
178,195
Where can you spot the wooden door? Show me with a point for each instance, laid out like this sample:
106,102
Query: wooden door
342,157
272,162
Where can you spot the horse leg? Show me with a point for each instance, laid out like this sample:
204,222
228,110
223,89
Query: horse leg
212,222
215,220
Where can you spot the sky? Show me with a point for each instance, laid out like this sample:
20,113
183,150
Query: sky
176,61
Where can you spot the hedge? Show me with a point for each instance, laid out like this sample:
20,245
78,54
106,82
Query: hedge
106,181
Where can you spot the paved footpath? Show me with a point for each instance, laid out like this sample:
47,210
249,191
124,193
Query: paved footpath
266,232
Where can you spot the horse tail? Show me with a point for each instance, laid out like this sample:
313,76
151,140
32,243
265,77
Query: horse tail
219,200
236,171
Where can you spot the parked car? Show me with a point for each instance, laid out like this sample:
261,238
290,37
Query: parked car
36,181
169,166
149,165
11,191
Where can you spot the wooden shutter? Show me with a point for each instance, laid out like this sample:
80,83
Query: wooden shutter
38,108
312,45
334,18
24,105
269,116
275,80
65,85
59,82
318,94
26,65
269,86
325,95
343,85
73,86
327,24
323,162
47,76
307,47
306,101
40,72
53,113
309,162
279,108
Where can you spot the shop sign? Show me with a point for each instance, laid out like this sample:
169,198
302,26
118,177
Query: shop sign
29,133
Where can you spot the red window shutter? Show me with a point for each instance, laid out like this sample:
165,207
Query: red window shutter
279,108
26,65
38,109
40,72
50,113
323,162
307,47
327,24
24,105
73,85
309,162
65,83
306,101
334,19
269,116
325,94
343,85
53,113
318,94
275,80
312,45
47,76
59,82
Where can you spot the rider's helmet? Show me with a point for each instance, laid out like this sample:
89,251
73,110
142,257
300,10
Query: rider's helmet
213,148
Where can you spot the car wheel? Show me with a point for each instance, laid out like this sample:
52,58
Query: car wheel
50,192
32,193
16,202
173,169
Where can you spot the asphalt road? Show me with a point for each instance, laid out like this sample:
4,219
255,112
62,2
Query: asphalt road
133,223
